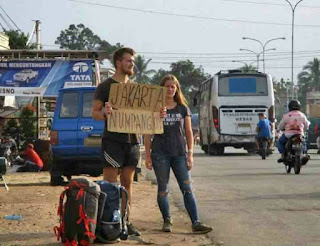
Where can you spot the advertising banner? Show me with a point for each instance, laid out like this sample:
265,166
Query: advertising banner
43,77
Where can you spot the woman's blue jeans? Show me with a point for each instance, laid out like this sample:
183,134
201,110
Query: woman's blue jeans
161,165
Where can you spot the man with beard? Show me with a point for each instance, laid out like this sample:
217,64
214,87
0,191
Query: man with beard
121,151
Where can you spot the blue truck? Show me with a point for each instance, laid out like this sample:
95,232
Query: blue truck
75,136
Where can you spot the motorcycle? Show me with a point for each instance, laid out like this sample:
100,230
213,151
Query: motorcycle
8,150
293,153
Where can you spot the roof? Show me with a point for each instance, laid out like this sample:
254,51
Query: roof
53,54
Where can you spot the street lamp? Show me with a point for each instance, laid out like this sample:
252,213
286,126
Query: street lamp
293,8
257,54
263,47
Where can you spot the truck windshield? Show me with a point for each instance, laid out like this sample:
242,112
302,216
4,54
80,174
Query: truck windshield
243,86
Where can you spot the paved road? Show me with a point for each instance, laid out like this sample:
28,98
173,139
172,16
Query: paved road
250,201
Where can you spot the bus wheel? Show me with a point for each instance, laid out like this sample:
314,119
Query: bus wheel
220,150
216,150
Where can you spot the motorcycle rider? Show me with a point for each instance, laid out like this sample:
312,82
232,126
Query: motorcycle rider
264,128
294,122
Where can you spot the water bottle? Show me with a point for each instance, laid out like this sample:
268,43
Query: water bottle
116,215
13,217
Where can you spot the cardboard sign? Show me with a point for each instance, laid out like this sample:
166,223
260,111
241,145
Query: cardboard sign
136,108
137,96
135,121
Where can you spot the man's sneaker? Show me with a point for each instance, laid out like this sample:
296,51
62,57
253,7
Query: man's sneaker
132,231
305,159
167,224
200,228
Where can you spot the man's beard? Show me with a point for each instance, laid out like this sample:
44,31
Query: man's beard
128,72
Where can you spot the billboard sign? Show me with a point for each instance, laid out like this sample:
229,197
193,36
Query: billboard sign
43,77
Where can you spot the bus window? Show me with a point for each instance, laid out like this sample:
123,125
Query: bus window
243,86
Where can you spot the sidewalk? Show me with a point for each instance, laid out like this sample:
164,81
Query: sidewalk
31,196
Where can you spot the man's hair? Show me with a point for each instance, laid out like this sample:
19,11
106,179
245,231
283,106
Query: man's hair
118,54
261,114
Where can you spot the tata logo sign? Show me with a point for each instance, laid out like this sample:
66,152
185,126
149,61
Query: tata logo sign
80,67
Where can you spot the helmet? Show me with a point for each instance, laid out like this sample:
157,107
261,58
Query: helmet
294,105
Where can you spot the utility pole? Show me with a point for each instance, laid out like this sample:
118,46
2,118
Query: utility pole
37,30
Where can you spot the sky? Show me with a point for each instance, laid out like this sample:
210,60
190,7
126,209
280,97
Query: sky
207,32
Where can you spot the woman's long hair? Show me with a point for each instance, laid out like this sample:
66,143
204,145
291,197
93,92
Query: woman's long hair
178,97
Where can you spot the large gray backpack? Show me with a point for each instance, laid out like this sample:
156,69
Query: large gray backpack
78,212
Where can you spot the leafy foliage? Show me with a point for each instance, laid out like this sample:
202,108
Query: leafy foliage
27,121
18,40
282,96
142,74
188,75
79,37
309,79
248,68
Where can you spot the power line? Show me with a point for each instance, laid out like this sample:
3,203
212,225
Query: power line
191,16
10,19
5,21
264,3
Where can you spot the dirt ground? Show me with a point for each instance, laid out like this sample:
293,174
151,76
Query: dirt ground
31,196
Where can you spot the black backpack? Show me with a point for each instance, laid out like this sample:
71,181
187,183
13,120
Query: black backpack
111,222
78,213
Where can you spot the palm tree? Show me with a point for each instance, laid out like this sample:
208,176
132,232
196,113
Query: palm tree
309,80
310,76
248,68
142,74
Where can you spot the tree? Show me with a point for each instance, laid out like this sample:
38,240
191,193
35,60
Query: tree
142,74
188,75
18,40
109,48
282,95
311,74
248,68
309,79
156,78
27,122
78,37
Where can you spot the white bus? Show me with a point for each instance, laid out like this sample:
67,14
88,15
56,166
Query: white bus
229,104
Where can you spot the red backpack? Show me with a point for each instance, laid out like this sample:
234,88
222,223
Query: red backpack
78,213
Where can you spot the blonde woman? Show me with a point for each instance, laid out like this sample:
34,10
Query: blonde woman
169,152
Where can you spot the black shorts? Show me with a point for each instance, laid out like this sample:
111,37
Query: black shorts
118,155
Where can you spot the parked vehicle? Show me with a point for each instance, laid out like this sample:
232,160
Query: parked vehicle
312,134
229,104
293,153
8,149
25,75
75,136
